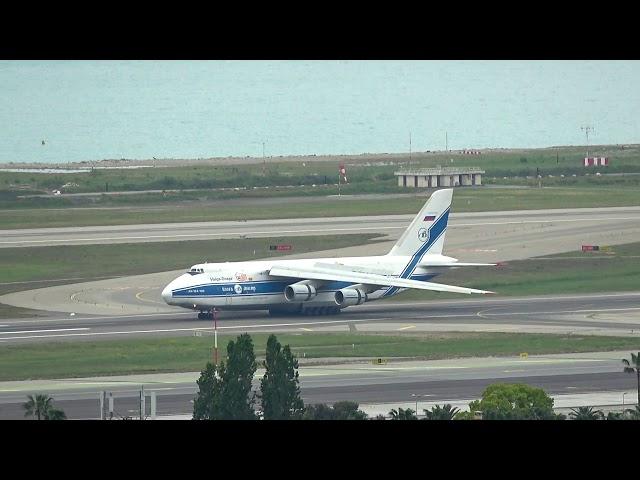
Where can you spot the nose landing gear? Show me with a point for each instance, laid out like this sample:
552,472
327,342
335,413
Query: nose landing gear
207,315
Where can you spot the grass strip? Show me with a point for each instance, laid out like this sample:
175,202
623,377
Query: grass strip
182,354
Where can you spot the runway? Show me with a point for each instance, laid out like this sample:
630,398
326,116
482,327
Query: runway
400,382
473,237
131,307
586,221
605,314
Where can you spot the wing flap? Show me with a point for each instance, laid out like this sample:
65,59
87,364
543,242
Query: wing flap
335,274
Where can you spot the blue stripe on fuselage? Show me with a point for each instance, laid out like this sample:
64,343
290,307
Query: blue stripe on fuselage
266,287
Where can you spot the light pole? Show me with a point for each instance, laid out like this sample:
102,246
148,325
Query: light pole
623,394
586,130
215,336
416,395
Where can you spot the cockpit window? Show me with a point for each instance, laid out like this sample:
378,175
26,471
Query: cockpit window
195,271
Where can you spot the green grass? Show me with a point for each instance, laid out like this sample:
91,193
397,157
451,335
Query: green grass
81,359
464,200
88,262
366,168
570,272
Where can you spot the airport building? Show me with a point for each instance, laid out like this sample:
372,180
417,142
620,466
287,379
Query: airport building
440,177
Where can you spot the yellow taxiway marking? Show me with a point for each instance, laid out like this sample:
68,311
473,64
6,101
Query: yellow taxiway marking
306,329
407,327
146,299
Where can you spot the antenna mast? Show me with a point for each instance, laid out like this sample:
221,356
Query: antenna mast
586,130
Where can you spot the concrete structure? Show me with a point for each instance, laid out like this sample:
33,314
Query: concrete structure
439,177
595,161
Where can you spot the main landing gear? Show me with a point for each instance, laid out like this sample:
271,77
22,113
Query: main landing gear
205,315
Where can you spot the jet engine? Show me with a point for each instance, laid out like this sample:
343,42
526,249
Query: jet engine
350,296
300,292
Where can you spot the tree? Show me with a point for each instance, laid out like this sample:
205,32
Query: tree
615,416
633,367
633,414
280,386
446,412
348,411
401,414
585,413
37,406
41,406
209,388
465,416
504,401
340,411
225,391
236,398
55,414
319,411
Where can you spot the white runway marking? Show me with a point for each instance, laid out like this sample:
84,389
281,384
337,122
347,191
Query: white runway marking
43,331
484,313
168,330
183,235
318,230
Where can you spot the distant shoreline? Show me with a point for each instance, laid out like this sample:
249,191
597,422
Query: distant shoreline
176,162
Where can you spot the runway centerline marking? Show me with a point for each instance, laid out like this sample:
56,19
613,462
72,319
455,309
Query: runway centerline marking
44,331
484,314
167,330
279,232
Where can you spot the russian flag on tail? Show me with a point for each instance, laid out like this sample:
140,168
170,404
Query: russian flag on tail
429,218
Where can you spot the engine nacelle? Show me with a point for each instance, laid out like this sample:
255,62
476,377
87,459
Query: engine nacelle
299,292
350,296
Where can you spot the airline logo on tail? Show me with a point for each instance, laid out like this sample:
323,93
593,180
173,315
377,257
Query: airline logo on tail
423,235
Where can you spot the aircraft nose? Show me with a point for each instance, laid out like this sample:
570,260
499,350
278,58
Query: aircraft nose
166,294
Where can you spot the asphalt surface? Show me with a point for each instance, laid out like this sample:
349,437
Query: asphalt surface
606,314
473,237
582,221
131,308
401,382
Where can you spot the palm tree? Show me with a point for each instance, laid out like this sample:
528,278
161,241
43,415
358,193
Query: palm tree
402,414
37,406
585,413
446,412
55,414
41,406
633,367
615,416
634,414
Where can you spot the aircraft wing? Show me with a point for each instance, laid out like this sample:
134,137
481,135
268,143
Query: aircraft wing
342,274
457,264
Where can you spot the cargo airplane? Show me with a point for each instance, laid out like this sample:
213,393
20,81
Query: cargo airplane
324,286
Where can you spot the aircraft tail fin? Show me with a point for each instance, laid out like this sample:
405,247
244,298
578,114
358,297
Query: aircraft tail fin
426,232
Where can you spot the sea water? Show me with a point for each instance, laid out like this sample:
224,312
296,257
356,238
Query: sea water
64,111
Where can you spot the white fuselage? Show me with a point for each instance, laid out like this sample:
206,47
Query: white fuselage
247,285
